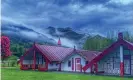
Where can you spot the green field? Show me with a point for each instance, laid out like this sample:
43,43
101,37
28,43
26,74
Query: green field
16,74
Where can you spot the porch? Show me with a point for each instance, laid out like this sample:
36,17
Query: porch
34,60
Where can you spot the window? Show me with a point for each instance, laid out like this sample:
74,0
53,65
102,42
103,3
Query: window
126,52
69,63
86,62
57,64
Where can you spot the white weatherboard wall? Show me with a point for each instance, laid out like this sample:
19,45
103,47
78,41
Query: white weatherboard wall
53,66
106,63
88,70
64,65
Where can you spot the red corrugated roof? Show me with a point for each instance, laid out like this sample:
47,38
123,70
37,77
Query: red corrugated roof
58,53
55,53
89,55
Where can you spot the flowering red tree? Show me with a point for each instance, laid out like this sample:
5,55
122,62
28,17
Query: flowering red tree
5,47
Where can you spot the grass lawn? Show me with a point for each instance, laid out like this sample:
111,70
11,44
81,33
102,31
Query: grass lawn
16,74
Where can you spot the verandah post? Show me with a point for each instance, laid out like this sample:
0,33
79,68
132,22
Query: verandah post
121,62
46,65
59,66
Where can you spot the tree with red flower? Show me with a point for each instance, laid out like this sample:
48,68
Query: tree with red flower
5,47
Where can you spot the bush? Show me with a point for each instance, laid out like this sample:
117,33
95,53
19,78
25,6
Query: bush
10,61
11,58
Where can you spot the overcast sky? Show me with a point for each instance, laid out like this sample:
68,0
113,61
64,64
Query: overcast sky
95,16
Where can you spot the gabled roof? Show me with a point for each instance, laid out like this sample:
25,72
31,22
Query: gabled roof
88,55
119,42
58,53
54,53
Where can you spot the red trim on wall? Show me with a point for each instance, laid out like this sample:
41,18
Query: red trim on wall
76,62
121,69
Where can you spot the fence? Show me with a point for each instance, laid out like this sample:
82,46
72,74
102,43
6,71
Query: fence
11,63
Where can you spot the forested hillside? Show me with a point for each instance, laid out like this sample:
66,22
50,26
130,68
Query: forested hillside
95,42
99,43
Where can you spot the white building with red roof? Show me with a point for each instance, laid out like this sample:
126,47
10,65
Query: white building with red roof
46,58
117,59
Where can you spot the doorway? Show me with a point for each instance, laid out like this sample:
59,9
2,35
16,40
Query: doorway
77,64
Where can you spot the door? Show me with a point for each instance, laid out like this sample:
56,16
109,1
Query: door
127,67
77,64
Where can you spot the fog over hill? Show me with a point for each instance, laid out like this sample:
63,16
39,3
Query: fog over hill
49,35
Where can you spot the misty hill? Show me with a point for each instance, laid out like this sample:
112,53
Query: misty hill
65,32
23,34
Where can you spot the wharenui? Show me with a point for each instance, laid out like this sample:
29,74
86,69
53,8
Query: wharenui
117,59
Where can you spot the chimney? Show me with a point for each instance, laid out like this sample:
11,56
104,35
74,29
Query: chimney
120,36
59,42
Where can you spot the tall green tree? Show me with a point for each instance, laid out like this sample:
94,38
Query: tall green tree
97,43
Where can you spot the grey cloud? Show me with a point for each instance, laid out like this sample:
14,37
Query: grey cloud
69,13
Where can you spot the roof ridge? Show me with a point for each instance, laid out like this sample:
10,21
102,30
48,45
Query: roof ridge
55,46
